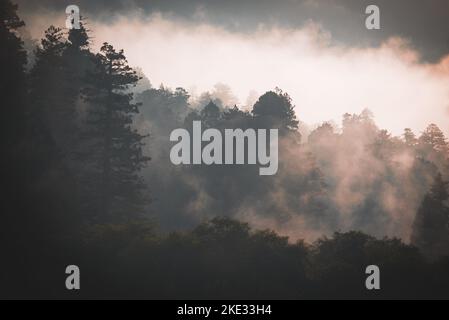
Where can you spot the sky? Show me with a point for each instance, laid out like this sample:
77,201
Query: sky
317,51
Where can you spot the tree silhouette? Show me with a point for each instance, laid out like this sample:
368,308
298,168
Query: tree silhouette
118,146
74,186
274,109
12,78
210,115
431,225
51,90
434,138
410,138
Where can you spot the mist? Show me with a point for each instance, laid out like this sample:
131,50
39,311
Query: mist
362,166
325,79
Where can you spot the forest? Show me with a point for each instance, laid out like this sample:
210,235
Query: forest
87,180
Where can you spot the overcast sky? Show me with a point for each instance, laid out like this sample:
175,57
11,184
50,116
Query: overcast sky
319,51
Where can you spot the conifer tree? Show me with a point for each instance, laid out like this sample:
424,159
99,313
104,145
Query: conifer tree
12,77
431,225
51,91
55,83
409,137
77,55
117,146
433,137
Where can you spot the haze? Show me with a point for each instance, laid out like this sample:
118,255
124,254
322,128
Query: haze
325,80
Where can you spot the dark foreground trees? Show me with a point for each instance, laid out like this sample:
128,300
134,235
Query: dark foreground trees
45,153
73,192
37,205
226,259
12,76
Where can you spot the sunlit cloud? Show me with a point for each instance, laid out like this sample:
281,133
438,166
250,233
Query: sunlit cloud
324,80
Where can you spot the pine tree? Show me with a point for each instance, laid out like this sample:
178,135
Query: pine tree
433,146
210,115
13,120
77,55
51,92
117,147
78,61
37,197
13,60
409,137
52,113
431,225
56,81
434,138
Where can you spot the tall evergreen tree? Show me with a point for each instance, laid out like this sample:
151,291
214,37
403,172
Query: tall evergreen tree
431,225
36,187
78,61
434,138
57,77
77,55
409,137
117,149
433,146
51,92
211,115
12,77
12,90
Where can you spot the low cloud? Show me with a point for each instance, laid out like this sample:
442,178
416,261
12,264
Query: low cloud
324,80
